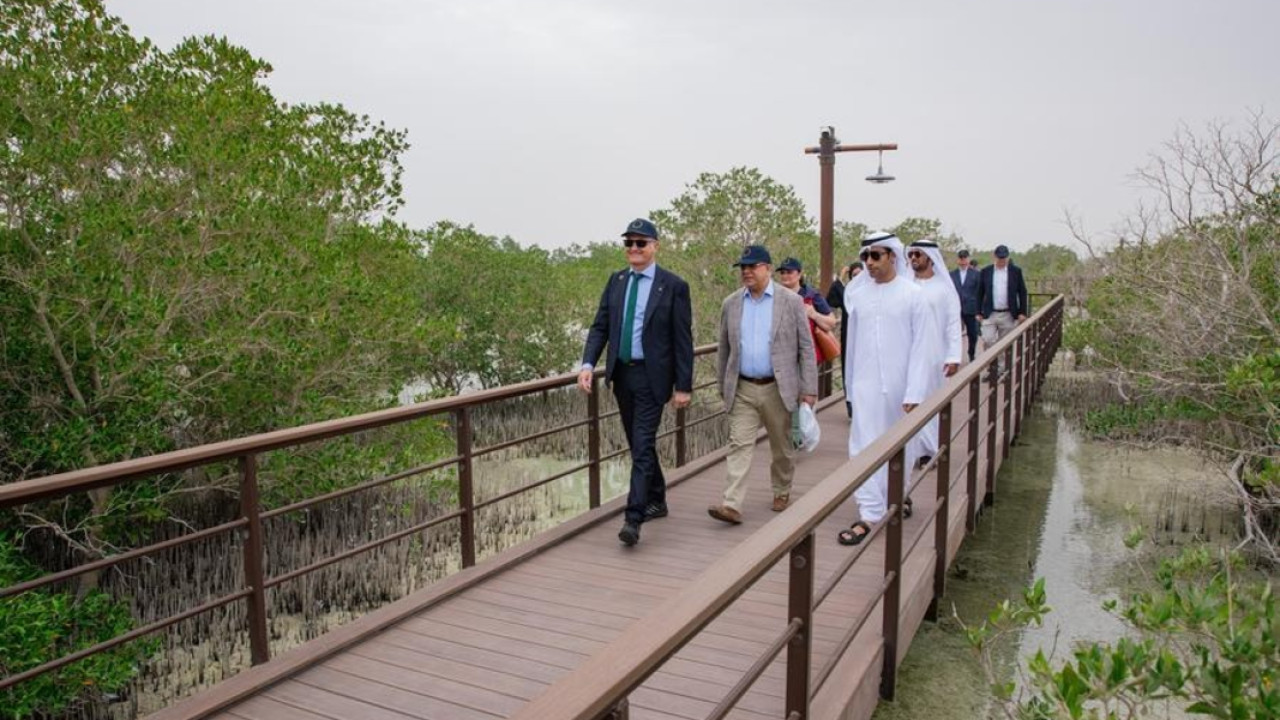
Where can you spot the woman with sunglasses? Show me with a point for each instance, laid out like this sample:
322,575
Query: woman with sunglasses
819,312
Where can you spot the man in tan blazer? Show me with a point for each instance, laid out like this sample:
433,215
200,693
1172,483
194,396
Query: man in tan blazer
766,368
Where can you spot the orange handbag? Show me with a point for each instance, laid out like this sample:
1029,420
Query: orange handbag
828,345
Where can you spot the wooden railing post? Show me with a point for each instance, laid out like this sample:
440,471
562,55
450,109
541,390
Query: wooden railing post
621,711
593,443
993,407
1007,414
254,576
826,382
1034,365
800,607
890,605
971,471
682,456
466,494
1020,366
942,517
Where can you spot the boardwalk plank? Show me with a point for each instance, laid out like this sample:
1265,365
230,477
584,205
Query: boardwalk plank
486,651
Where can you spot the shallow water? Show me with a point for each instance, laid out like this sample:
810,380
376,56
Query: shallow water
1064,504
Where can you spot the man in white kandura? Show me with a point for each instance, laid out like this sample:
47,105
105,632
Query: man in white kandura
940,294
890,363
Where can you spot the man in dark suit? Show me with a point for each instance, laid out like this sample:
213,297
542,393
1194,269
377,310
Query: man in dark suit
1002,299
966,281
646,320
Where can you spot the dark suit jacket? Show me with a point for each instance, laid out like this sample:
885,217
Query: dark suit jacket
1019,303
968,291
667,337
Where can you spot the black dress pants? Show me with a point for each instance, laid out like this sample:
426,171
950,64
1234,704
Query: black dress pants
971,329
641,413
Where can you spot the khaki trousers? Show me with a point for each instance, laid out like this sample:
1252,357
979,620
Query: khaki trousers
753,404
996,327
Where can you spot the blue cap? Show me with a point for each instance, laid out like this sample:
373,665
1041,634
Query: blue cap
754,255
641,226
791,264
1002,251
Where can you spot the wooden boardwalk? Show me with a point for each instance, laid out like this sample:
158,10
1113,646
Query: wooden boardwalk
486,650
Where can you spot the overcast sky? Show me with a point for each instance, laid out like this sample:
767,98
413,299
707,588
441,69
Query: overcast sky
557,121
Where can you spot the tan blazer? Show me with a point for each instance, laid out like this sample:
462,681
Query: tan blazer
790,347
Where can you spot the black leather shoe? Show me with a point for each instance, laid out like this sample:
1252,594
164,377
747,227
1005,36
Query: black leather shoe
629,534
655,510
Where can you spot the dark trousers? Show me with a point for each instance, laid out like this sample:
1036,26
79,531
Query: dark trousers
971,329
844,356
641,413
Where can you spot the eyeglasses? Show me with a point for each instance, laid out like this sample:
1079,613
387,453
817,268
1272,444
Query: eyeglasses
636,242
914,254
873,255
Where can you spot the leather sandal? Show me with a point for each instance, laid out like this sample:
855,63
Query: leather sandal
851,536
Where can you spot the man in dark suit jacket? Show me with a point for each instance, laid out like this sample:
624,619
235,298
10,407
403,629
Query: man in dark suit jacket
646,320
1002,299
966,281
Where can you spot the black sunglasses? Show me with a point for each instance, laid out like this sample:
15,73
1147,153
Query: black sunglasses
636,242
873,255
914,253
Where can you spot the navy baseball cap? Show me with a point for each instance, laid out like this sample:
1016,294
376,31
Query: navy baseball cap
641,226
791,264
754,255
1002,251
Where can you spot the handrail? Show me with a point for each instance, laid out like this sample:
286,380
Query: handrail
245,451
102,475
610,674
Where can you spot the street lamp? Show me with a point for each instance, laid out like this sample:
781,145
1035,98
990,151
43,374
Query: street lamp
826,151
879,178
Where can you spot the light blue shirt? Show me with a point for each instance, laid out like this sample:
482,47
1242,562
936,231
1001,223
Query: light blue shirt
757,328
645,278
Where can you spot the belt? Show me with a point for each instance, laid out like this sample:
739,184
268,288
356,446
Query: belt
1001,310
757,381
631,363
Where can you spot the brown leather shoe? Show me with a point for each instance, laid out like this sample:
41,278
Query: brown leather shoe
780,502
724,513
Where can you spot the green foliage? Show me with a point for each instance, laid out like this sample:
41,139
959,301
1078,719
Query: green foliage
183,258
706,227
479,337
1204,640
1138,417
40,626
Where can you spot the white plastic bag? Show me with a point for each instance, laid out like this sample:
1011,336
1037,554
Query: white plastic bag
810,432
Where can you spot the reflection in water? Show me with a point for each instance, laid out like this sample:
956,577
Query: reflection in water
1063,506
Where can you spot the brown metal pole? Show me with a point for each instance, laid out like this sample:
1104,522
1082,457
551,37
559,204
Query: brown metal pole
466,494
941,519
889,605
800,607
593,444
826,212
826,225
254,577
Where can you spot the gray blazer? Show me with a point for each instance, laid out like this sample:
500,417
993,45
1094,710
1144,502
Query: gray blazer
790,348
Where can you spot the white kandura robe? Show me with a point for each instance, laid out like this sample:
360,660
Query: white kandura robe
891,337
944,303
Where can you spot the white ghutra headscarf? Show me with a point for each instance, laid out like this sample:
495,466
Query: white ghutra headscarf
941,274
888,241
